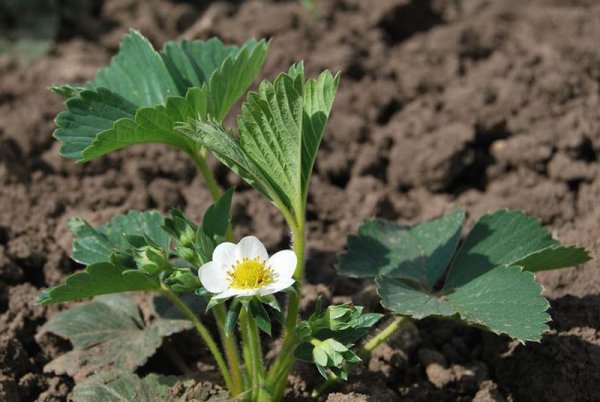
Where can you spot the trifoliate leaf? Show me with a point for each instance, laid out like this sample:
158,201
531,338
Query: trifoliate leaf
143,95
486,284
106,335
279,131
98,279
420,253
217,217
93,245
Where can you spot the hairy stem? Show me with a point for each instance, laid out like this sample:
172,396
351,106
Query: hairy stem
220,311
383,336
278,373
204,333
231,350
211,183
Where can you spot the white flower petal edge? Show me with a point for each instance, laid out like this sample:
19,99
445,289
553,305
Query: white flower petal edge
212,278
225,254
283,263
245,269
250,247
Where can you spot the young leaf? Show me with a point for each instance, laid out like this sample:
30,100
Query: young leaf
143,95
487,284
106,334
98,279
420,253
217,217
279,131
93,245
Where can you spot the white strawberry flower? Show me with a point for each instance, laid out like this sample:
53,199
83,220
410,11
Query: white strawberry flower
245,269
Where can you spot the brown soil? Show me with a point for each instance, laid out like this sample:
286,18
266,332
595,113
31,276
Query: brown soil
484,104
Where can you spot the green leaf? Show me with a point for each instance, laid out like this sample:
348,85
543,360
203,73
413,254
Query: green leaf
217,217
88,114
504,300
93,245
420,253
98,279
486,283
123,387
152,124
261,316
279,131
498,238
554,257
319,94
143,95
107,333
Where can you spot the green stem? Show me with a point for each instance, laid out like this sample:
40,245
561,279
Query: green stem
256,356
220,311
383,336
211,183
231,350
204,333
367,349
278,373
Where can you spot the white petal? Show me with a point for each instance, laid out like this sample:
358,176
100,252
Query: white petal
225,254
213,277
232,292
283,263
226,294
277,286
250,247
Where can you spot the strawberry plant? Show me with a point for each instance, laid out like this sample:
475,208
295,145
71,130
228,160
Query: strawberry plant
180,97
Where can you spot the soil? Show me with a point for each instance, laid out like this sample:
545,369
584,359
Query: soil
474,103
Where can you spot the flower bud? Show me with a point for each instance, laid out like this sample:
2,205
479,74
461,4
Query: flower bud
151,260
183,280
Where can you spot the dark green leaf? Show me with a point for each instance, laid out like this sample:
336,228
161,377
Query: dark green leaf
554,257
499,238
217,217
487,284
419,253
106,334
98,279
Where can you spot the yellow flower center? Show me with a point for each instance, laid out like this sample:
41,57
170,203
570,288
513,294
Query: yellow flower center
249,274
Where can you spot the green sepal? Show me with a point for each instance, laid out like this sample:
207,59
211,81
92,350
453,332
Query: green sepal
260,316
183,280
232,316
